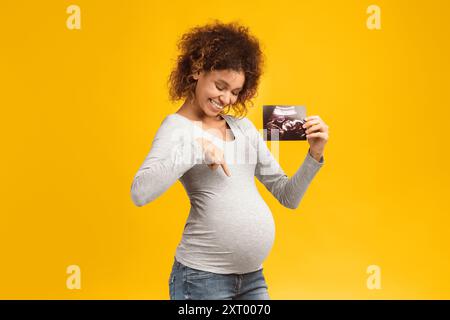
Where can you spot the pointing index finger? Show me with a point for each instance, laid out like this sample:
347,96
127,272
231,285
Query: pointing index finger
225,169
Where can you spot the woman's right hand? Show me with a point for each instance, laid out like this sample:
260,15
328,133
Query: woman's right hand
213,155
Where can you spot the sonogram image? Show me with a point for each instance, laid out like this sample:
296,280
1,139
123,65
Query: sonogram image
284,122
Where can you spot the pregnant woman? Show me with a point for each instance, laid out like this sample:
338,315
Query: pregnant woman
216,156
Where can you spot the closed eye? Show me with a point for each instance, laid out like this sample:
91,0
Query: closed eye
221,89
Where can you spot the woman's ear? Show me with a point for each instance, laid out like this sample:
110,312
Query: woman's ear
196,75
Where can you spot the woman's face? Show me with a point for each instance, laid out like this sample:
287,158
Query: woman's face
217,89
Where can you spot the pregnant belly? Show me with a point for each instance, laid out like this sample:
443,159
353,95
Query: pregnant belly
242,227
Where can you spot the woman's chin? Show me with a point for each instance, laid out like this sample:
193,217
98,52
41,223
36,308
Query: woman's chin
210,111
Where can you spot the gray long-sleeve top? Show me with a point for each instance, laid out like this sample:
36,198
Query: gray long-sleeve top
230,228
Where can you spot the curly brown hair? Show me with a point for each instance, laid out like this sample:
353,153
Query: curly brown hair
217,46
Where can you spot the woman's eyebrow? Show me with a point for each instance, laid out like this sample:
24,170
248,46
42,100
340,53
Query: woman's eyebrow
226,83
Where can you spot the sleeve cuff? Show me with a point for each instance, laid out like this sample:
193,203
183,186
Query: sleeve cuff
311,158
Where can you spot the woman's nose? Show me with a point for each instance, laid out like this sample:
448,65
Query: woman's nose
225,99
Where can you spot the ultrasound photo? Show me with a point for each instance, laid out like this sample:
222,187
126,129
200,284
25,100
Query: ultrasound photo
284,122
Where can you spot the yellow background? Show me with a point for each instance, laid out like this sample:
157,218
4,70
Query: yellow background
81,107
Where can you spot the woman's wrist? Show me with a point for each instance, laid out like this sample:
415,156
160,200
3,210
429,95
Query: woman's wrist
316,155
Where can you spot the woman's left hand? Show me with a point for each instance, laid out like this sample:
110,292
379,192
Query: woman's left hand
317,135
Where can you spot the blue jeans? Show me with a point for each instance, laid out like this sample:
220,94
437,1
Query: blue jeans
186,283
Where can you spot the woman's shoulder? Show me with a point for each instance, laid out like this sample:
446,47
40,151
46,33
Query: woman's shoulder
173,125
175,120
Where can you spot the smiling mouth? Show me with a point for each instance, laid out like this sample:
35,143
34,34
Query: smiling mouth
215,104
